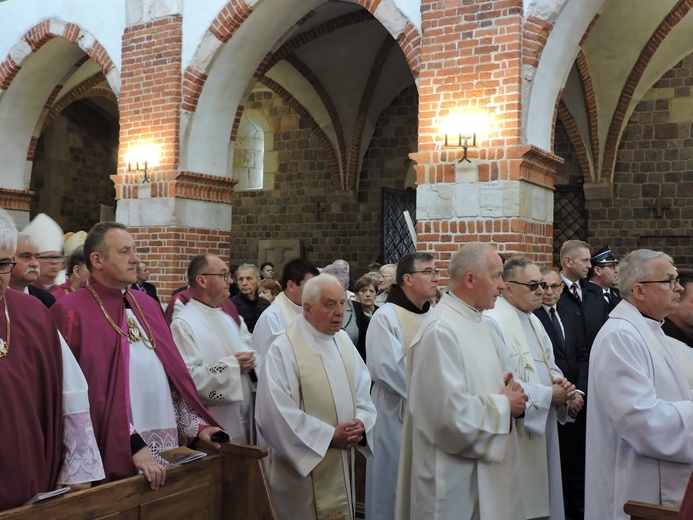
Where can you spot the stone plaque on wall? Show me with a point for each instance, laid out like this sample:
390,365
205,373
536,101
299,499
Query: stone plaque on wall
279,252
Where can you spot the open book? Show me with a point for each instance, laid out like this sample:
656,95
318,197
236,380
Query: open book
181,455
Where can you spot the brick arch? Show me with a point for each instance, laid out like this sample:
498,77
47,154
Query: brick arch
29,44
575,139
86,89
40,34
618,120
552,58
235,12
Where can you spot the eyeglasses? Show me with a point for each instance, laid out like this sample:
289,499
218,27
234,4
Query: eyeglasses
51,259
554,286
532,286
28,257
7,266
225,276
672,282
428,272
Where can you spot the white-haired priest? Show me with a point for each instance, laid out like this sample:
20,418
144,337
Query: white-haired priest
314,409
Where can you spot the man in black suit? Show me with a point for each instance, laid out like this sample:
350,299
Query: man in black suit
27,270
580,296
142,284
566,330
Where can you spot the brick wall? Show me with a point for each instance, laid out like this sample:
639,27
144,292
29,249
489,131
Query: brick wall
74,158
655,157
304,204
168,250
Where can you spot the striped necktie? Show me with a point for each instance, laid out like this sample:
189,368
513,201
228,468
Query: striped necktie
573,289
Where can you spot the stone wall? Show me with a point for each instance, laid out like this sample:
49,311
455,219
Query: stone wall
655,158
74,158
303,204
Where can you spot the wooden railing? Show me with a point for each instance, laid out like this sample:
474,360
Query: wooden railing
230,484
644,511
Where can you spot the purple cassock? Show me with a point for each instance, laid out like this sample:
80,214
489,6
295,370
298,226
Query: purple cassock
31,389
99,352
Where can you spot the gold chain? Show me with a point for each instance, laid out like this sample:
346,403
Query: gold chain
5,344
133,334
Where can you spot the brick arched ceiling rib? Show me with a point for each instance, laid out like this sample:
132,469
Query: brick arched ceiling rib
677,13
322,137
575,139
326,100
590,101
356,144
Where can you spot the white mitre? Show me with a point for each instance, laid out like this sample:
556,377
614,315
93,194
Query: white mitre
46,233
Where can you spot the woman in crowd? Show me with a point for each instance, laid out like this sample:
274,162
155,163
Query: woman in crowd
366,289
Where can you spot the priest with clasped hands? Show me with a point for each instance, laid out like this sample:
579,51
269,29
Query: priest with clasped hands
313,408
142,396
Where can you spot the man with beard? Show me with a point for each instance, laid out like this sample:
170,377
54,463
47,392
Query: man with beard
391,331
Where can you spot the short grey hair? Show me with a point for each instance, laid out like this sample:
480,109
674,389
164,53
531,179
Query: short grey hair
513,264
245,267
312,290
342,263
8,231
470,257
338,271
635,267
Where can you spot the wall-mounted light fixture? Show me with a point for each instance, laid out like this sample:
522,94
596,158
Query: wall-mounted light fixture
142,158
462,130
137,167
461,141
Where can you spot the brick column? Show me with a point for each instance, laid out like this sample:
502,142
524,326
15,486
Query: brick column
177,214
473,57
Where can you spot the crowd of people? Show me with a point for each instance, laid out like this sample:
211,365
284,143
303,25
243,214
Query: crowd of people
524,392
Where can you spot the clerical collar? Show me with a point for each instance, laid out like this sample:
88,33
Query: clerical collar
396,296
647,316
477,311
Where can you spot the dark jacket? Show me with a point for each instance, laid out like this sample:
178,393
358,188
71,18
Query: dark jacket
594,311
249,309
46,298
573,360
148,288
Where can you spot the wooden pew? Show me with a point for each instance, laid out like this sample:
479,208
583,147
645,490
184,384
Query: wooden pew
644,511
230,484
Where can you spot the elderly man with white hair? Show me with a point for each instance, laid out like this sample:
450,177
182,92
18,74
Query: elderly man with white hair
640,415
313,408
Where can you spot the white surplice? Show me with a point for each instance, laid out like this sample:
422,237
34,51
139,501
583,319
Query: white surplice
539,449
684,354
459,455
81,457
639,417
386,361
297,441
270,325
157,411
208,340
